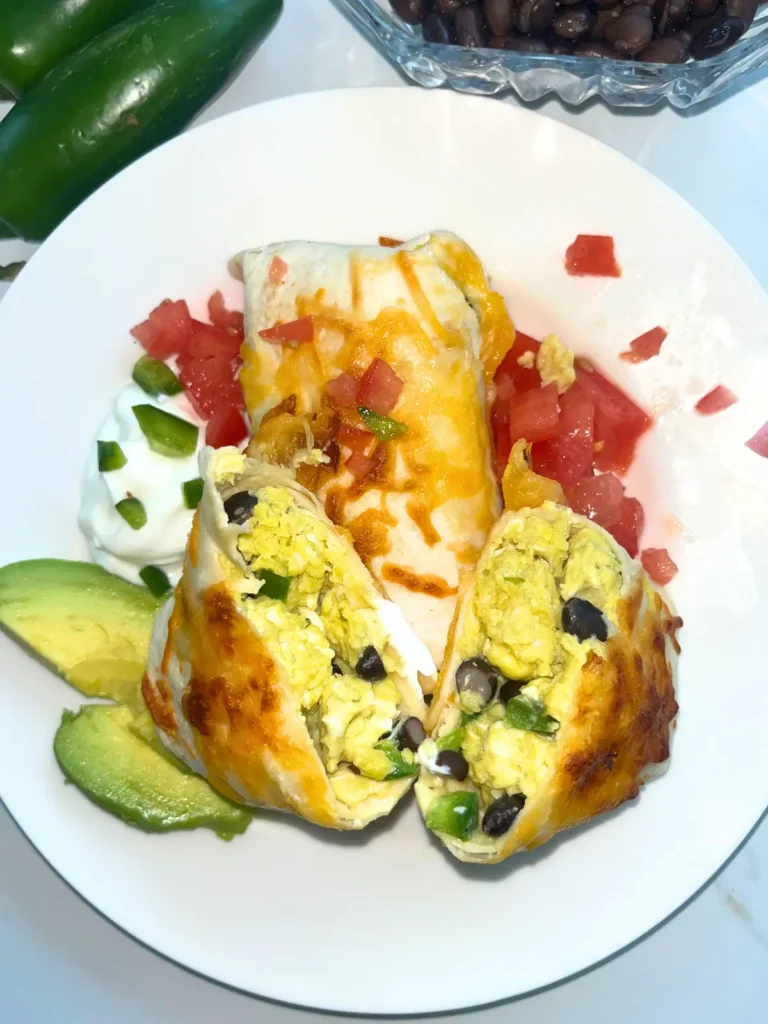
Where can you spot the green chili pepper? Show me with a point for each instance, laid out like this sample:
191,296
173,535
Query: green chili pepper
383,427
166,434
451,740
275,586
155,580
455,814
192,491
156,377
401,768
111,456
133,512
524,713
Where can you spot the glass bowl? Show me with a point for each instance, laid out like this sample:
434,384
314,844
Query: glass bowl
621,83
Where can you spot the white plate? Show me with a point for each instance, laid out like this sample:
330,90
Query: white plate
384,922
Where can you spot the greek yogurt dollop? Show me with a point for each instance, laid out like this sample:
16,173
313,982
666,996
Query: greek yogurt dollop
156,480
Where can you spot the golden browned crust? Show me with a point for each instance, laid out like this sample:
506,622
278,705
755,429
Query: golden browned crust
417,583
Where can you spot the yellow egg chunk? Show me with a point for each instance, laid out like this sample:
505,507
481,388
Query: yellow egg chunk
555,363
593,572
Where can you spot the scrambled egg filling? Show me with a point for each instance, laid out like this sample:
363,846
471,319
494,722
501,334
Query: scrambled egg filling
514,622
555,363
328,615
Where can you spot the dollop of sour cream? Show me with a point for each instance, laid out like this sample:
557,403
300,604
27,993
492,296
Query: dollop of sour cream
156,480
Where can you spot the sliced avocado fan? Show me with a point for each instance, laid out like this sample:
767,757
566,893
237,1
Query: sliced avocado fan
99,750
93,627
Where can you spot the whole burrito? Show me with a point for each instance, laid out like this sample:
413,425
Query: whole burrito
418,498
556,696
278,670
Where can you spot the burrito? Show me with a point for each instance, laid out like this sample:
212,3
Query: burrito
376,355
277,670
556,696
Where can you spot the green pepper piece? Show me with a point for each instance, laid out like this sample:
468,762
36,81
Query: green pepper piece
524,713
455,814
275,586
192,491
155,580
166,434
451,740
156,377
111,456
383,427
12,270
401,768
133,512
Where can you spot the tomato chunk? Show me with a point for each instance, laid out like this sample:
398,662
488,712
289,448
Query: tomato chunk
359,465
658,565
628,529
277,270
598,498
226,319
293,333
523,378
619,422
593,256
534,415
167,330
645,346
380,388
210,384
343,390
568,456
716,400
208,342
759,442
226,426
355,440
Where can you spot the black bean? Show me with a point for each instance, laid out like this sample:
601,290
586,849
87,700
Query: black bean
574,22
603,5
669,14
500,15
603,18
744,9
703,8
370,666
428,698
631,32
239,507
449,7
454,762
668,50
437,29
711,41
470,27
500,815
593,48
557,45
511,689
411,11
535,16
521,44
475,675
354,769
581,619
412,734
335,669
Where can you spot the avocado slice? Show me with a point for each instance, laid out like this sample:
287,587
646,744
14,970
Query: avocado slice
93,627
99,751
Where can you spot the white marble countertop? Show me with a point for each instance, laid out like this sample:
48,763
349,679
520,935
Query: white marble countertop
59,960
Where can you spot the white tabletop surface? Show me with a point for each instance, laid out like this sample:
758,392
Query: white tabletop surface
60,961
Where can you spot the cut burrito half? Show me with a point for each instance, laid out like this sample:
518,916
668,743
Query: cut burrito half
556,697
376,355
278,670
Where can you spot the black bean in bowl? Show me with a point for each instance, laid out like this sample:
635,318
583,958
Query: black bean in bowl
647,31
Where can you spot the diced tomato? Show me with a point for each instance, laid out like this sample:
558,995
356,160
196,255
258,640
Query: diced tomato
630,525
343,390
598,498
380,388
220,316
645,347
658,565
226,426
277,270
759,442
592,255
210,384
167,330
524,378
619,422
293,333
568,457
208,342
716,400
534,415
505,389
355,440
359,465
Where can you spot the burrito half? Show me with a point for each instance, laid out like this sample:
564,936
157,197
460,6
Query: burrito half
278,670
